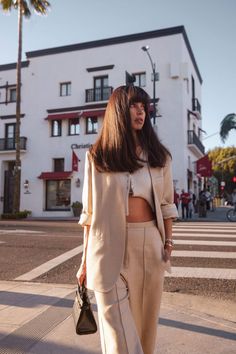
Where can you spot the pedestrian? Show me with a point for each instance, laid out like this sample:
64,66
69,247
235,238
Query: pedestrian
191,205
208,199
176,199
202,210
233,197
127,217
185,198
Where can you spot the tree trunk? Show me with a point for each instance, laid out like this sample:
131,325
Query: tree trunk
16,200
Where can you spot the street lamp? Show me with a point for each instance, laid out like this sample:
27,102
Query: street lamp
155,78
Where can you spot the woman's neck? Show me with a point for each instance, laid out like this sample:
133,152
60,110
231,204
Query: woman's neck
138,147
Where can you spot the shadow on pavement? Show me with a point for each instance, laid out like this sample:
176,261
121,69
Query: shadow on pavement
27,300
199,329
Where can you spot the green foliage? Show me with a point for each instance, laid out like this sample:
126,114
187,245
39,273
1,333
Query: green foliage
40,6
227,124
77,208
223,166
76,204
20,215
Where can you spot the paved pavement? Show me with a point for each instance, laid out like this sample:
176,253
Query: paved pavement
36,319
219,234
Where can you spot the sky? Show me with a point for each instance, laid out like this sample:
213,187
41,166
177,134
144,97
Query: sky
210,26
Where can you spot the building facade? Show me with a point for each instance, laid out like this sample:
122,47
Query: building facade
64,95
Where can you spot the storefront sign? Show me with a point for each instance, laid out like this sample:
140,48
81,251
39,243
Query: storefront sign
204,167
80,146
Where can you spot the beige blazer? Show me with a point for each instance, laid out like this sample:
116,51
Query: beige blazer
104,209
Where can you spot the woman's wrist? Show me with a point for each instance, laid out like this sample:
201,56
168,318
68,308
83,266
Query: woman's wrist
169,242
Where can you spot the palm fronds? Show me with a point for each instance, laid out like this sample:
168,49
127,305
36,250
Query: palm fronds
39,6
227,124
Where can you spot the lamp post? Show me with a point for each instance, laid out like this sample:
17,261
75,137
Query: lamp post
155,78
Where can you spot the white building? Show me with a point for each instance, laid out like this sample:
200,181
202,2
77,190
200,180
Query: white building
64,95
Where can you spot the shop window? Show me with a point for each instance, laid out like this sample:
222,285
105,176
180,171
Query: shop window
58,195
91,125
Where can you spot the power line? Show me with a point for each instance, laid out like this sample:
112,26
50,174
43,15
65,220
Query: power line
209,136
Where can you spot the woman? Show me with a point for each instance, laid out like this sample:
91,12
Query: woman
127,217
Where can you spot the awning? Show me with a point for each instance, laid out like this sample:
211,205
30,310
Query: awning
61,116
55,175
95,113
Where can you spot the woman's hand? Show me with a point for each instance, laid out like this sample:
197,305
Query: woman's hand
167,252
81,274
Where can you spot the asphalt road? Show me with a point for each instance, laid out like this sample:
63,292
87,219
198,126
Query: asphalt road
25,245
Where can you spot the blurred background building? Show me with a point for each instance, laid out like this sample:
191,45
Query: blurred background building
64,95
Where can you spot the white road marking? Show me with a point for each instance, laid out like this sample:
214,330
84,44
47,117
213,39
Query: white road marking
188,229
209,273
45,267
20,231
204,254
177,235
214,232
205,243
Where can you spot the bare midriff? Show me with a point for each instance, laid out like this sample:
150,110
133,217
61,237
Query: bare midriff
139,210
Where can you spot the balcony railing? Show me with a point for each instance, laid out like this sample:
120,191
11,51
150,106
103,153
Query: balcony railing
194,140
196,105
98,94
9,144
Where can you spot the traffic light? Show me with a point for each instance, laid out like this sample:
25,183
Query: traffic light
222,187
234,179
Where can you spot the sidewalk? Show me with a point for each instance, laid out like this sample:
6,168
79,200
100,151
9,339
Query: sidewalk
36,319
218,215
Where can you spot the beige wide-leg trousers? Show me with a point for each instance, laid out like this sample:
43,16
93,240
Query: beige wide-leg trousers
128,313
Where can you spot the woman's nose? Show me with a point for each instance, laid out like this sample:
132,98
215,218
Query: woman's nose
140,109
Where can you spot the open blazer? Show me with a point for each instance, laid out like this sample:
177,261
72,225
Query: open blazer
105,198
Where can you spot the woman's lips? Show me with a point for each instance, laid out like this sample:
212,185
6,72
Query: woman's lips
139,121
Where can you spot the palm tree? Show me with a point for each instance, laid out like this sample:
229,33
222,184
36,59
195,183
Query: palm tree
23,7
227,124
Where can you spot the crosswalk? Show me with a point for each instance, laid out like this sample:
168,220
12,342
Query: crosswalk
219,244
196,245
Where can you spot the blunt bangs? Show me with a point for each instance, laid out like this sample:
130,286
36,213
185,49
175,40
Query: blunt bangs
136,94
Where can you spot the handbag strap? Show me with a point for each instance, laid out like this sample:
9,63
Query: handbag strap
82,290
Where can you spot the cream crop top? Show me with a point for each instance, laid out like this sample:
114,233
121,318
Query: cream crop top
140,185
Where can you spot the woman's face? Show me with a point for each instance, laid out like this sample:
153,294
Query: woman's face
137,115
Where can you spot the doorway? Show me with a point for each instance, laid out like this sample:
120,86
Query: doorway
9,188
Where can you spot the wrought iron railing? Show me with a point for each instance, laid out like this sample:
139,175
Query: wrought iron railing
9,144
193,139
98,94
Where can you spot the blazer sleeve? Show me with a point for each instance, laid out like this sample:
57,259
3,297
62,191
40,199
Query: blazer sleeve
168,207
86,215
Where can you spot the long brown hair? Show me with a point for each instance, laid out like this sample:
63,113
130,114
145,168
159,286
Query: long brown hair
115,148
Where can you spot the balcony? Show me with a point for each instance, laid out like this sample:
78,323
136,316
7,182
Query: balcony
8,144
98,94
196,107
195,144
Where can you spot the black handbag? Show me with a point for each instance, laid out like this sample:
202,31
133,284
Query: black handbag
82,313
